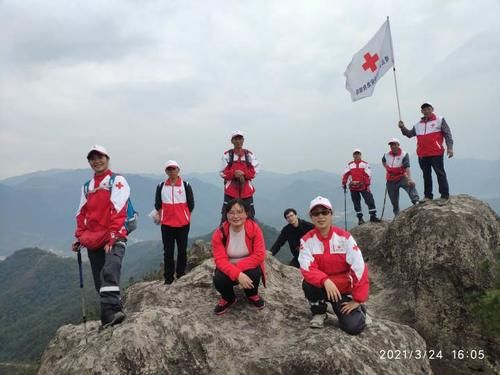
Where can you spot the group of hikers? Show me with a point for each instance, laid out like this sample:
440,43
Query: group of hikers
328,257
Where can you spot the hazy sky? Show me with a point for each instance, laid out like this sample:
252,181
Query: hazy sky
157,80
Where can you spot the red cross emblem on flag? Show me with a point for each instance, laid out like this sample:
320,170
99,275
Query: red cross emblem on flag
370,61
119,185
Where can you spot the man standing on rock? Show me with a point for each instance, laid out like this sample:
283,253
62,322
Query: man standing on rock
358,174
334,271
397,166
292,232
239,167
430,132
101,229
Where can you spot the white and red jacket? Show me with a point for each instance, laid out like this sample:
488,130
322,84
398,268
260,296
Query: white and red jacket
396,165
254,240
174,203
232,186
430,133
101,215
357,171
336,257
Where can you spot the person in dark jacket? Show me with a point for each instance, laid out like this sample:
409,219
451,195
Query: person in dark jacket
292,232
174,203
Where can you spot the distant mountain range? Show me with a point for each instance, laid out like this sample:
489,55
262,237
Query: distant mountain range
38,209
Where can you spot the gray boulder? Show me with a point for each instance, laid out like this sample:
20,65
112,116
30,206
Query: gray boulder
426,265
172,330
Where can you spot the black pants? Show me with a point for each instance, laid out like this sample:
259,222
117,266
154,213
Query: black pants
106,270
248,202
171,235
225,286
368,197
352,323
428,163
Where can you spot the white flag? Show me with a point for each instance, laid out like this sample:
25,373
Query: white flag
370,64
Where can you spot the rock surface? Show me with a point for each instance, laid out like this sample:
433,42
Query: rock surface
172,330
423,267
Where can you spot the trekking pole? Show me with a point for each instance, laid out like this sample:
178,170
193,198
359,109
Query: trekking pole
345,208
84,318
383,207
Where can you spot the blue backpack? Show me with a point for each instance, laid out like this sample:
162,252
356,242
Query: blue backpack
132,215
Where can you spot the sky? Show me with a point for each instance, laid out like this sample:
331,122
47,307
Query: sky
157,80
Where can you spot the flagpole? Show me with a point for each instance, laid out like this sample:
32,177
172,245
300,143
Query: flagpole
394,68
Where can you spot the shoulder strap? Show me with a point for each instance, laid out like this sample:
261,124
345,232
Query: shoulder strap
247,157
86,188
231,157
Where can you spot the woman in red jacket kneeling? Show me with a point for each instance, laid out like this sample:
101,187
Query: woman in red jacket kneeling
239,252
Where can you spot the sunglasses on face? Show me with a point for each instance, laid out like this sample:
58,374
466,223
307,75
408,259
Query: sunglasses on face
171,168
321,212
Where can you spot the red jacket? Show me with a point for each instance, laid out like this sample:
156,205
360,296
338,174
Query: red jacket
174,202
232,186
357,171
429,136
255,243
336,257
396,165
102,214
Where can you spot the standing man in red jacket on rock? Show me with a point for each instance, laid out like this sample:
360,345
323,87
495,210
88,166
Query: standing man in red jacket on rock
101,229
334,271
430,131
239,167
358,175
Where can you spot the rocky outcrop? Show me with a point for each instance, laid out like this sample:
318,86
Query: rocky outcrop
172,330
425,266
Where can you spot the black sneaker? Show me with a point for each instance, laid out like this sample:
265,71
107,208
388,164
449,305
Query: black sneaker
360,221
222,306
169,281
257,301
116,318
375,219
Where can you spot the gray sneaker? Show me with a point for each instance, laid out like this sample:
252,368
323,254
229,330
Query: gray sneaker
425,199
318,321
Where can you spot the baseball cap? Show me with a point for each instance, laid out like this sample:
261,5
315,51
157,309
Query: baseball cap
320,201
394,140
236,133
426,104
99,149
356,150
171,163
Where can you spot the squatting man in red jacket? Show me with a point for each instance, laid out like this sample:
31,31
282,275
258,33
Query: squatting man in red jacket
101,229
334,271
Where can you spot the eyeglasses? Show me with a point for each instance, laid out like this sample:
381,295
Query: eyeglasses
322,212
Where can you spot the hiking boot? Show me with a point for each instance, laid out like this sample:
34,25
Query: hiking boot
222,306
375,219
425,199
360,221
443,200
257,301
318,321
113,319
169,281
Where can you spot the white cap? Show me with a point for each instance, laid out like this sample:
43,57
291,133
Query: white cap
99,149
171,163
427,104
236,133
320,201
394,140
356,150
